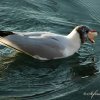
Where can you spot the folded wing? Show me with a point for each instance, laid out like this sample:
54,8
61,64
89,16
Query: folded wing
35,45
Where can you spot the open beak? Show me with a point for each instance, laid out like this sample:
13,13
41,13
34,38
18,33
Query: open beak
91,35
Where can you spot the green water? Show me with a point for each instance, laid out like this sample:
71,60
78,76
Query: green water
25,78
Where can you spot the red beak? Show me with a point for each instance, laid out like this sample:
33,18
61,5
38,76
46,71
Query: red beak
91,35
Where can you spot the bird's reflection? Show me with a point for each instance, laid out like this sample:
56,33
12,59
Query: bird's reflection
85,67
76,65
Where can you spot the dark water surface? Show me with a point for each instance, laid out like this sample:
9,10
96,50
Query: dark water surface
24,78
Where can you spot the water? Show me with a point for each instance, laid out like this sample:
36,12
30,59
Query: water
25,78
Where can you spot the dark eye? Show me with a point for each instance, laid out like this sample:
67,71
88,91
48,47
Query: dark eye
85,30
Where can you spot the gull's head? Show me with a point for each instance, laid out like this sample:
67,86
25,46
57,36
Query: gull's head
85,32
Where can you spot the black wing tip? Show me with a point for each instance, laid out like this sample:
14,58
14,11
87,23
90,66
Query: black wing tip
5,33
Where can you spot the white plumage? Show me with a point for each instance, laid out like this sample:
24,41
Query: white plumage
46,45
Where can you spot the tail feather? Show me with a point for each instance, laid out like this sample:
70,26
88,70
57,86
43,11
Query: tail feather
5,33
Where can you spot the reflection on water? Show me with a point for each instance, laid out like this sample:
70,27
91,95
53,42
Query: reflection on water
31,78
26,77
83,62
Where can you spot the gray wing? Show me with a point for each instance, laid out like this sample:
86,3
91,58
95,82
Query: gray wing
27,34
45,47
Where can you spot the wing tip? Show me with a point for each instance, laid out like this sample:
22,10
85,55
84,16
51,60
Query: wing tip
6,33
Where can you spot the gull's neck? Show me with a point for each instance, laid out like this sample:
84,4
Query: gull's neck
74,39
73,43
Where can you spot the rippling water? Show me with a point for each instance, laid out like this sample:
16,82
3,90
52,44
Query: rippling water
24,78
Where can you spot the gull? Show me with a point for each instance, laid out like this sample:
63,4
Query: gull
48,45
